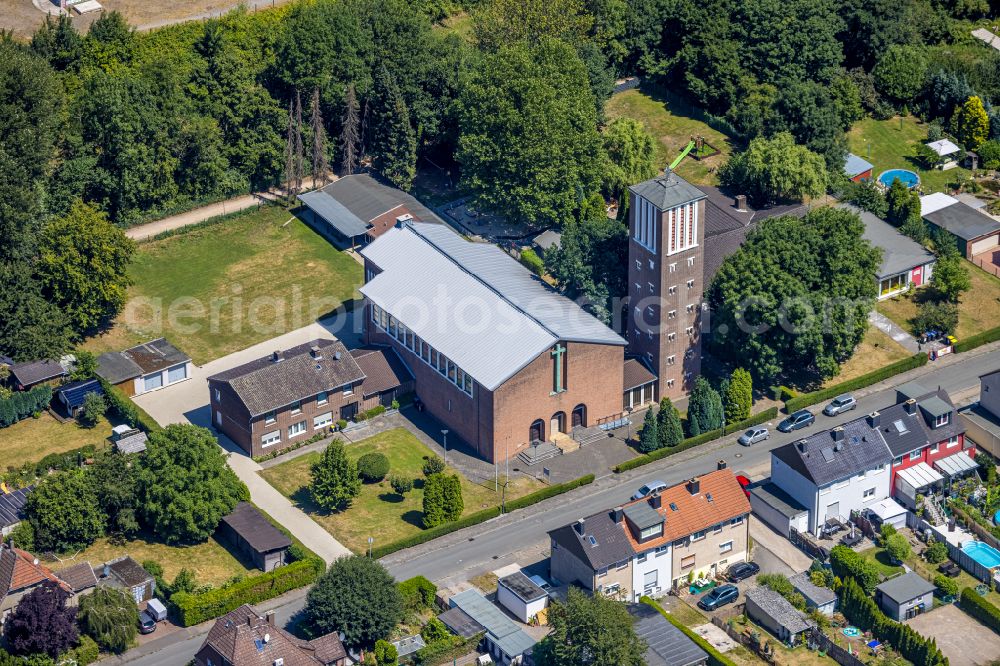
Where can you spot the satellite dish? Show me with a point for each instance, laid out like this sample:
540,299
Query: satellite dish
267,638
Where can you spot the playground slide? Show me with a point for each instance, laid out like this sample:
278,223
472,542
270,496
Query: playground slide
687,149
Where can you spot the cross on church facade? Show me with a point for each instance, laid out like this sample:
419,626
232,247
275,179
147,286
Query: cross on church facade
557,356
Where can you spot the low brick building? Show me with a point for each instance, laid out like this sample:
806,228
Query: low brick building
498,357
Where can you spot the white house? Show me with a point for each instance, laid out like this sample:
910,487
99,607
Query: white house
835,472
521,596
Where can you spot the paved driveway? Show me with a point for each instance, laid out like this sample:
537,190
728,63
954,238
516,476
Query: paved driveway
778,547
963,640
187,402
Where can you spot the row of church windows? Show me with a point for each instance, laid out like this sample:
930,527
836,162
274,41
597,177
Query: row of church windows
421,349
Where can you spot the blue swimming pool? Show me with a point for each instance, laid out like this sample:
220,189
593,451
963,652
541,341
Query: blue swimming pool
983,553
905,176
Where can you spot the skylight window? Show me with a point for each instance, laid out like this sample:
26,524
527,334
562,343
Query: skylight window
673,507
593,541
900,427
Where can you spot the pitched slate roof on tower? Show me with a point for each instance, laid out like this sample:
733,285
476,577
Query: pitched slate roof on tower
667,191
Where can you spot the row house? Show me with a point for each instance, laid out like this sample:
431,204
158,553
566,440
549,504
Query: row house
648,546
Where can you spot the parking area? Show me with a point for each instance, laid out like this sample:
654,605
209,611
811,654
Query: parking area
953,630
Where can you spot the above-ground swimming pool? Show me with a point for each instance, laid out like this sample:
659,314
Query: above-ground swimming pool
983,553
905,176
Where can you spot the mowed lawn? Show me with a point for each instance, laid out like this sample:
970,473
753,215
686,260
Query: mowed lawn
379,512
875,351
978,308
672,122
30,439
224,287
893,146
211,562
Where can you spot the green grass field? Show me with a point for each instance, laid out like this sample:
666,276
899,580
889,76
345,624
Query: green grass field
30,440
875,351
891,144
978,308
224,287
378,511
672,122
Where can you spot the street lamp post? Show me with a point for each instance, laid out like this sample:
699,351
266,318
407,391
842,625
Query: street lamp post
371,540
444,435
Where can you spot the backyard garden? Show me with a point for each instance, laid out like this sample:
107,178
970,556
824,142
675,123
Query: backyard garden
380,510
32,439
227,284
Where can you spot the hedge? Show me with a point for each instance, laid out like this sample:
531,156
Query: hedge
124,408
715,658
479,517
978,340
445,650
193,608
691,442
980,608
22,404
874,377
418,593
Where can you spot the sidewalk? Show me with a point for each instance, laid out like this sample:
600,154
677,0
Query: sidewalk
890,328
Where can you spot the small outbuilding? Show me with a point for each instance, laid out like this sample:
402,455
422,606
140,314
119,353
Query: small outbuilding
128,439
778,509
666,645
973,231
30,374
886,511
522,597
905,596
144,368
547,240
858,169
946,151
254,536
504,640
129,575
822,599
72,395
773,612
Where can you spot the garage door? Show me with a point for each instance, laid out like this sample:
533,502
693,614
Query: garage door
985,244
177,373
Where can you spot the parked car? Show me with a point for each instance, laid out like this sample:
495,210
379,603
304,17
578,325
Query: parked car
649,489
841,404
754,435
147,624
742,571
744,484
718,597
799,419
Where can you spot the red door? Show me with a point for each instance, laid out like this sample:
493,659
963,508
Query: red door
917,276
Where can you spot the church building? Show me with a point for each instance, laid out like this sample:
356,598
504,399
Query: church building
497,356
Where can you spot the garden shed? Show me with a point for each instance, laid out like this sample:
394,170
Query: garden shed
255,536
72,395
905,596
522,597
822,599
773,612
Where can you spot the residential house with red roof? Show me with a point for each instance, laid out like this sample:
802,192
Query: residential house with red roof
20,573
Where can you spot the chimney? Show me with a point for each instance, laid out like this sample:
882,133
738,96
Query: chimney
337,356
803,445
403,220
910,406
838,434
316,352
741,202
276,356
578,526
617,514
874,420
694,486
655,501
269,616
722,464
250,619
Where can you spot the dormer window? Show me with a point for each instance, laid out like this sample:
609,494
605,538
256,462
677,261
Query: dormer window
650,532
942,420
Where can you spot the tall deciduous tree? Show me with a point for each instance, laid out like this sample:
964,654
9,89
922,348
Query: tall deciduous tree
950,278
30,326
593,630
64,512
115,483
776,169
110,617
42,623
335,481
704,408
393,141
631,156
529,146
507,22
668,424
83,266
900,73
357,596
185,485
739,396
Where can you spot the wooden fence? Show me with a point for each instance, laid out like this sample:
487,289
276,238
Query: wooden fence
837,653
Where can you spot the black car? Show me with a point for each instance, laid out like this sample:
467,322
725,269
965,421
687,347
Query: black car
147,623
799,419
742,571
719,597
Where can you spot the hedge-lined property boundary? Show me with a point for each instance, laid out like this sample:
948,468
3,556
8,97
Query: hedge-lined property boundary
194,608
480,516
980,608
691,442
22,404
978,340
891,370
715,658
124,408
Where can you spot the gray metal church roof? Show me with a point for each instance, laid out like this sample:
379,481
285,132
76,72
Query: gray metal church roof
466,299
667,191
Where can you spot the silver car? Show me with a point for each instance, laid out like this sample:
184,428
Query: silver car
841,404
753,435
649,489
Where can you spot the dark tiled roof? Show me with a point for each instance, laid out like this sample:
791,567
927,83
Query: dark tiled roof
255,529
666,644
817,458
116,368
636,374
265,385
612,545
383,369
523,587
12,506
906,587
667,191
33,372
79,576
902,432
963,221
129,572
366,197
328,649
156,355
239,635
778,499
459,622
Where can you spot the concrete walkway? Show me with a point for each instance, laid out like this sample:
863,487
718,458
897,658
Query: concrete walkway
894,331
781,547
150,229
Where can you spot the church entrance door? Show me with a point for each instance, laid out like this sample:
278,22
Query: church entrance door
558,423
580,416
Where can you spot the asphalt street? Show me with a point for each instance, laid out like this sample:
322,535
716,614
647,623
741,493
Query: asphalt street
521,537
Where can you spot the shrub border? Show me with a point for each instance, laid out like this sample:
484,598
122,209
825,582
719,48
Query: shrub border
691,442
980,608
978,340
715,658
891,370
480,517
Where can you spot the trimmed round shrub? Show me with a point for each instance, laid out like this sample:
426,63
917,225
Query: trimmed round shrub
373,467
401,485
433,465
